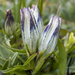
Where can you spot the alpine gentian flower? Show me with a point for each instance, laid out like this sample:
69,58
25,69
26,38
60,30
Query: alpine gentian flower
10,26
31,28
49,37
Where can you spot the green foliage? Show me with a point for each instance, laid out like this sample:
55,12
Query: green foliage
40,5
62,58
17,7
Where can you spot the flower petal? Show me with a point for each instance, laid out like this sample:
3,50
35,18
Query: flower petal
44,34
25,26
22,25
29,29
33,32
50,35
53,41
38,18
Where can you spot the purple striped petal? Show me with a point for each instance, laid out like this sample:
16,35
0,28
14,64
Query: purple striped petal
53,40
49,24
50,35
38,18
45,34
29,29
47,28
22,18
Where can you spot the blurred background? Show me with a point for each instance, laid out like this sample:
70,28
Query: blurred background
62,8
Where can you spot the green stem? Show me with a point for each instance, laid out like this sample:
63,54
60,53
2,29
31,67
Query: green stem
23,3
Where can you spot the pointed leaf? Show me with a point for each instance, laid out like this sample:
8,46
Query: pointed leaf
5,65
29,59
5,53
39,65
62,58
14,58
18,67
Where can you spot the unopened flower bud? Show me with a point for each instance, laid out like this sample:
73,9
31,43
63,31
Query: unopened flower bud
10,26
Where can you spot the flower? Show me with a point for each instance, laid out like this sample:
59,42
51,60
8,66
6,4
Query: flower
31,28
70,40
10,26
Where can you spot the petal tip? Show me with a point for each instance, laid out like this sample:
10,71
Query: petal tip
21,11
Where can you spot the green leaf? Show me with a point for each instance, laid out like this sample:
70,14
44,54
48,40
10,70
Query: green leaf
55,64
5,65
40,5
40,54
62,58
38,65
63,32
2,61
14,49
18,72
2,31
16,44
5,53
20,58
29,59
40,61
17,31
1,37
72,69
23,3
1,58
17,7
71,49
14,58
51,73
18,67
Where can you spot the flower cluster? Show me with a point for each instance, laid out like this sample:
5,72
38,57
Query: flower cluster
31,28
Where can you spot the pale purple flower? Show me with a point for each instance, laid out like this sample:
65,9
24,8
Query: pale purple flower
31,28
